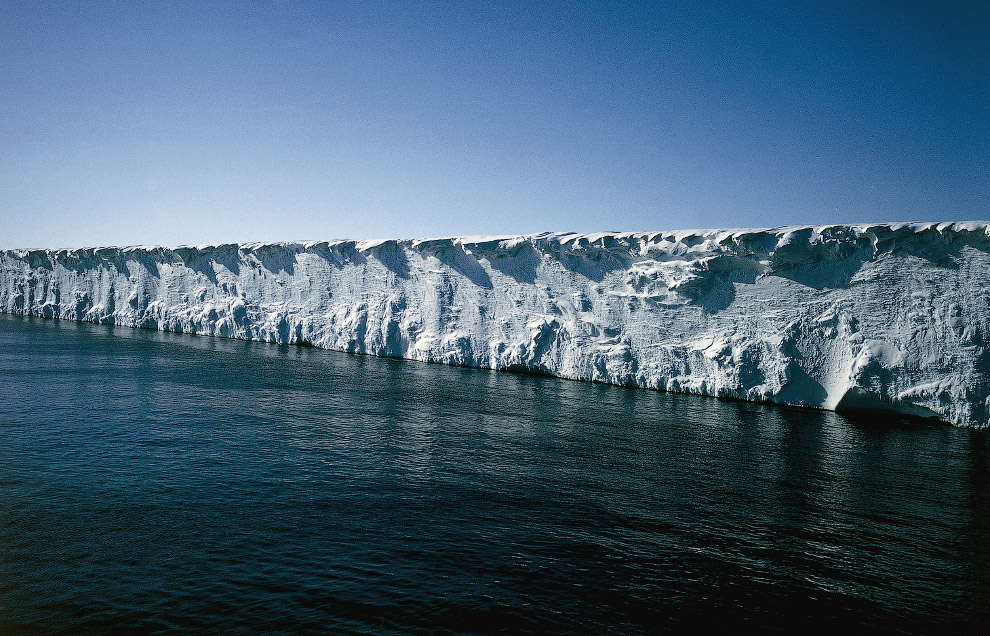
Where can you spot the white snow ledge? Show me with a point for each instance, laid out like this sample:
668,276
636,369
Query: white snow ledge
890,316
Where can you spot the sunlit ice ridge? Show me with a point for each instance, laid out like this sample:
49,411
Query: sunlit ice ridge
887,316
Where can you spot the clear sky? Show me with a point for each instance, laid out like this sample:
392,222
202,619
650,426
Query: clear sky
192,122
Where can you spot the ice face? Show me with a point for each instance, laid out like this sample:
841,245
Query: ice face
886,316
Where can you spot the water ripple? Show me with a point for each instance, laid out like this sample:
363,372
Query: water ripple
160,483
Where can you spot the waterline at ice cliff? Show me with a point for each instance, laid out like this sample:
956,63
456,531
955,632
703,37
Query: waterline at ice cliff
892,316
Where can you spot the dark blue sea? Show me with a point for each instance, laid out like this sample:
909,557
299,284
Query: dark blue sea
174,484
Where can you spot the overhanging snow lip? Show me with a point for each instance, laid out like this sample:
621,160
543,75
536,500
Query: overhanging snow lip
781,231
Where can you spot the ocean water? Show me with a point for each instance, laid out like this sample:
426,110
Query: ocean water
167,483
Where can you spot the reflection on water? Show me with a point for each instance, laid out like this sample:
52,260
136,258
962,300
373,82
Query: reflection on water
156,482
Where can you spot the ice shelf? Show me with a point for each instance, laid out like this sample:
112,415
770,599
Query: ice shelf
890,316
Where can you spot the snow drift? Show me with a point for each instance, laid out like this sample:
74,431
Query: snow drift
888,317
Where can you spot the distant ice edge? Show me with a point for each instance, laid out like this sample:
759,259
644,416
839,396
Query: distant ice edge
890,316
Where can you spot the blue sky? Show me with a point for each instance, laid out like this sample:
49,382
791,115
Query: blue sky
189,122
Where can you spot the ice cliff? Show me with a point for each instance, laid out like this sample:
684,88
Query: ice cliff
880,316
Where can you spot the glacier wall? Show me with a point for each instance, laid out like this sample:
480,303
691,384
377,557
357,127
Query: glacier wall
888,316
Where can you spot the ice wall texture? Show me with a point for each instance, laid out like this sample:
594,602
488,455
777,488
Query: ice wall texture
882,316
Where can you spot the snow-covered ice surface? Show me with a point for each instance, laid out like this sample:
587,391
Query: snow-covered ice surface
891,316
